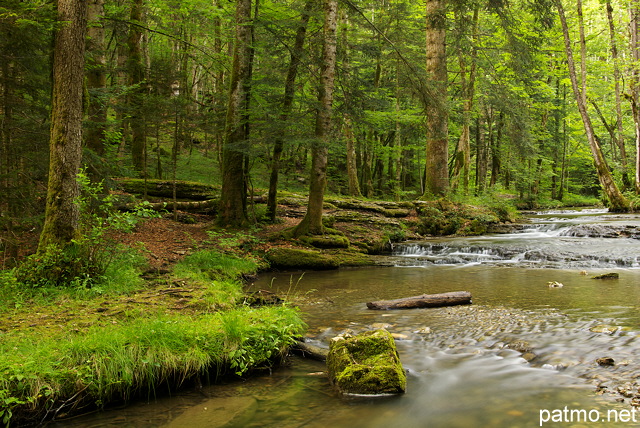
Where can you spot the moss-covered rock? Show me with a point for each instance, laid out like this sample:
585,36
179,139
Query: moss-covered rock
326,241
295,258
443,217
366,364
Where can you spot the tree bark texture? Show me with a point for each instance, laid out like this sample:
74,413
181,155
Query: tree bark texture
619,140
65,145
96,78
617,202
287,103
424,301
437,172
312,221
462,161
352,169
634,28
135,67
233,198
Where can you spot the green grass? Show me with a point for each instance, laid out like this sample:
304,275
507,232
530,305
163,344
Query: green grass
132,351
137,357
210,264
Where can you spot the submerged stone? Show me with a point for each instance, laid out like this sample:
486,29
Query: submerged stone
612,275
366,364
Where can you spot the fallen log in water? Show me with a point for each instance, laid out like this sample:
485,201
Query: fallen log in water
424,301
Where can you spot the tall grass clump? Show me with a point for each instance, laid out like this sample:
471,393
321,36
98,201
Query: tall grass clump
52,375
210,264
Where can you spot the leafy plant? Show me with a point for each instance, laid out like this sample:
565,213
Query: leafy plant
85,262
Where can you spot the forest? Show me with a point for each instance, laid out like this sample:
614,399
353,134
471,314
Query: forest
517,104
380,99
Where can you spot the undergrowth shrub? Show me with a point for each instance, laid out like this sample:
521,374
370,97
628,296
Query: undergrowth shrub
88,258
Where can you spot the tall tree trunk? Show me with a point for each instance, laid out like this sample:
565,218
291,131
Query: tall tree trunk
61,215
481,154
496,162
462,161
136,69
437,173
352,170
287,103
617,202
96,78
233,197
312,221
635,83
619,140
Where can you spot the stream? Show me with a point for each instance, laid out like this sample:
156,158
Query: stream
520,355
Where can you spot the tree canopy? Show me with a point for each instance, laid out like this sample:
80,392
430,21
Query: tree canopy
163,98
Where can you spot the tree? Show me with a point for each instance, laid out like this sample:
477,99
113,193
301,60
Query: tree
617,202
634,97
312,221
287,103
462,159
437,172
61,215
233,197
96,78
136,71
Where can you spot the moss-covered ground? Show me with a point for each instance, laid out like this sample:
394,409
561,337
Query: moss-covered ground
67,351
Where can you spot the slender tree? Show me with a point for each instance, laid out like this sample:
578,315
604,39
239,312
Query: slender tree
233,197
61,215
634,97
462,160
619,135
287,103
312,221
96,77
617,202
136,68
437,173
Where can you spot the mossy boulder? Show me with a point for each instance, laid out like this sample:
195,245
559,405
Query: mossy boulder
295,258
326,241
366,364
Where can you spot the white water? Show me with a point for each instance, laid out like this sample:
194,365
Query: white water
568,239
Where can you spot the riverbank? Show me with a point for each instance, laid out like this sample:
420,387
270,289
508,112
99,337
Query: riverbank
70,351
180,316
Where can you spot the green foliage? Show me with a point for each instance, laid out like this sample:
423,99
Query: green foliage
86,261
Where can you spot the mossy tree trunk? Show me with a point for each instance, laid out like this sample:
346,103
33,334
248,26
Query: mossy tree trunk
233,197
287,103
617,202
61,215
312,221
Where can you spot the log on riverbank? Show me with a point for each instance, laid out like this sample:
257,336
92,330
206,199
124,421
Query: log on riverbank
424,301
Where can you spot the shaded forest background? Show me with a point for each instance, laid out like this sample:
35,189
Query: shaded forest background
157,98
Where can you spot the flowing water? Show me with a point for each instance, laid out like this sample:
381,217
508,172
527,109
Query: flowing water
467,365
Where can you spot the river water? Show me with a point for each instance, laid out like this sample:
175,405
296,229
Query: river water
466,365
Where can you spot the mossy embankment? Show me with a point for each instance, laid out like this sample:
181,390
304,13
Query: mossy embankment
357,230
68,351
